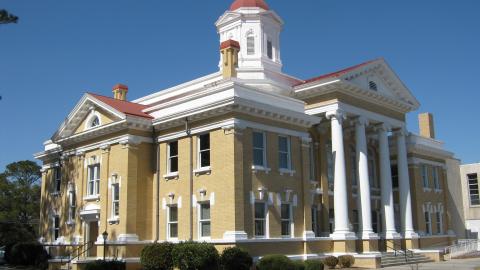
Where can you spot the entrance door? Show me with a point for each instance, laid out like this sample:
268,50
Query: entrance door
92,238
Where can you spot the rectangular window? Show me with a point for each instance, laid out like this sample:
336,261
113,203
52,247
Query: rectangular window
269,49
93,180
250,45
375,226
394,170
259,155
436,180
311,153
56,227
204,220
328,149
260,219
72,205
284,153
315,227
428,223
173,157
473,189
116,200
439,222
355,221
204,150
57,176
172,222
425,176
286,219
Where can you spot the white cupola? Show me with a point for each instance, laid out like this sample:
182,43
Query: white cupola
257,29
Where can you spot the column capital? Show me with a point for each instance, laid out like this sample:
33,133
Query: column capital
402,131
383,127
337,114
361,120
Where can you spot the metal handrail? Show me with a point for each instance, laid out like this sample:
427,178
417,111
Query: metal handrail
87,247
401,251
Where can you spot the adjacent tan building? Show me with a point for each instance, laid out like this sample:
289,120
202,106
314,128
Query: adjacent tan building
249,156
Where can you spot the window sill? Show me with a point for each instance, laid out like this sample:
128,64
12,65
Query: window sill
438,190
70,223
256,168
204,170
92,198
286,171
170,176
55,193
115,220
427,189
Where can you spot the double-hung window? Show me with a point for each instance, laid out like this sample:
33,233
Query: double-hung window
57,176
315,228
93,180
204,220
173,157
72,206
439,222
286,219
259,154
172,226
436,180
284,157
56,227
260,219
473,189
425,176
428,223
204,150
115,200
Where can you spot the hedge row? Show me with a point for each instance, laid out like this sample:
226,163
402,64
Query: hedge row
281,262
105,265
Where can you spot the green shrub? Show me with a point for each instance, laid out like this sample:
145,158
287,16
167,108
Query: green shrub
275,262
313,265
346,261
105,265
195,256
330,261
157,257
235,258
299,265
28,253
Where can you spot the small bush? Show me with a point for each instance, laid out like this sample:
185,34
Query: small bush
157,257
195,256
275,262
235,258
105,265
346,261
313,265
28,253
299,265
330,261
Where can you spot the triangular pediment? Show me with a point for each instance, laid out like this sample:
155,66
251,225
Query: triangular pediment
89,113
377,76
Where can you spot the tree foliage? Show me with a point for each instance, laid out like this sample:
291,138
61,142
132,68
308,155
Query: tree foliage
6,17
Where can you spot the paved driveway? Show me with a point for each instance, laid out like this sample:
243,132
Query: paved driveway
464,264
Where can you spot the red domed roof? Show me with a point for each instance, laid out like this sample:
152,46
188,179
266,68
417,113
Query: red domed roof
248,3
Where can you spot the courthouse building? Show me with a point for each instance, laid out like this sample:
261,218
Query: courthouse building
249,156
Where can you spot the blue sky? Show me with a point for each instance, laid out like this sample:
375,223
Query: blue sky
60,49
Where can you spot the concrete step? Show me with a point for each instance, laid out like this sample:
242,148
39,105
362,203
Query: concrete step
389,259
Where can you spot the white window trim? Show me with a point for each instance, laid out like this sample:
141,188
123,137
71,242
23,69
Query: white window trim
469,190
289,156
199,156
72,204
54,229
96,181
290,219
265,167
90,118
436,180
113,216
174,239
439,222
429,223
57,181
266,221
425,180
200,221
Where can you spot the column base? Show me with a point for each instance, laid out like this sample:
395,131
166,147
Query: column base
344,242
369,245
369,236
392,235
411,235
393,241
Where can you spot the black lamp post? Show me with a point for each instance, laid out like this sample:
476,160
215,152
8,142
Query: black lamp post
104,235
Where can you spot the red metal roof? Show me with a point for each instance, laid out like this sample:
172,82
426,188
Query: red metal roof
229,43
248,3
337,74
125,107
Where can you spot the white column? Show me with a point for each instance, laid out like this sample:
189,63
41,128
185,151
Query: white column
404,186
340,197
386,183
365,208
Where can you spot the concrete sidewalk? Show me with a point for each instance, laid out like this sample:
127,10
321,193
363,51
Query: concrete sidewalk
463,264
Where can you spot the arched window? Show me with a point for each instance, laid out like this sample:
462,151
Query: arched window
372,169
95,122
250,44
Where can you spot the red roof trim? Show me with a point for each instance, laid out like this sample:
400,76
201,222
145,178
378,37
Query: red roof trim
337,74
120,86
230,43
125,107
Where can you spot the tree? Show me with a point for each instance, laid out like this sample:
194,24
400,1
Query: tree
6,17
